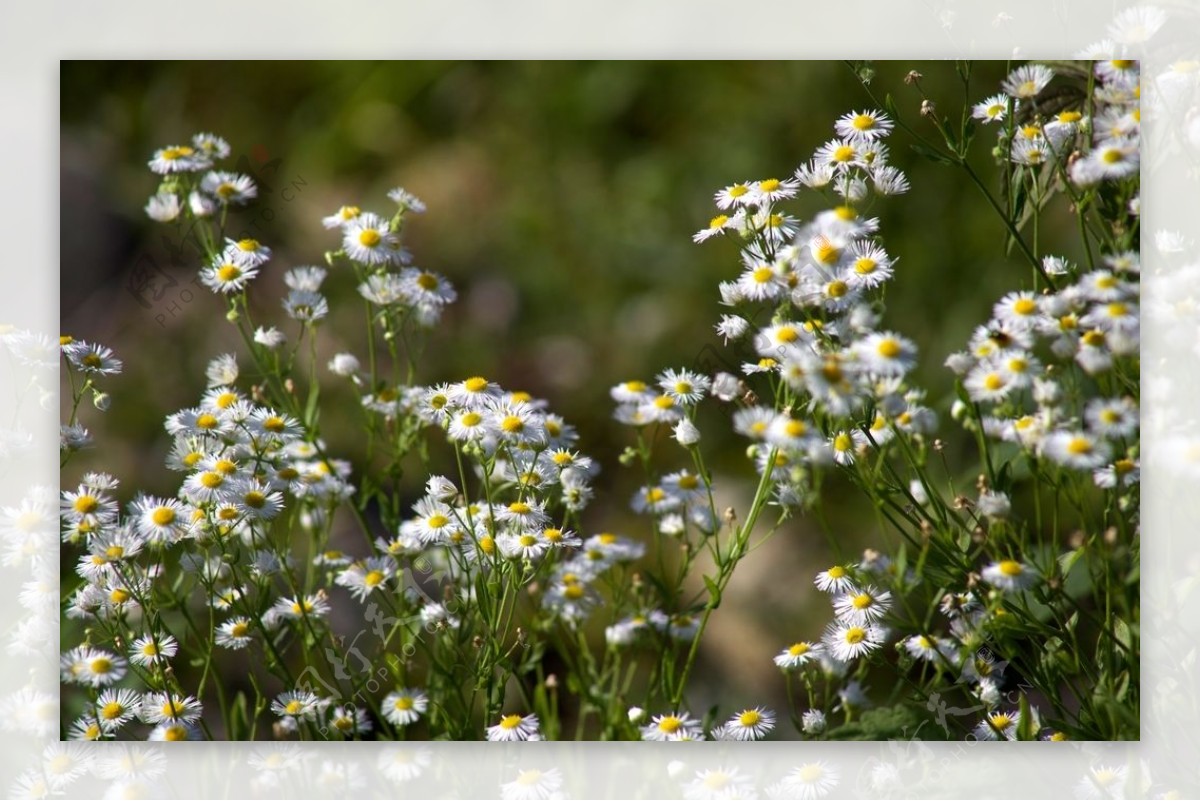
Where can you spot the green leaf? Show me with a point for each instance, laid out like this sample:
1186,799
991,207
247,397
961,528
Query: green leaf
714,593
1067,561
929,153
889,106
1026,730
1123,633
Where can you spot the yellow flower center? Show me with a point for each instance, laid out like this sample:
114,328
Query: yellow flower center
844,153
889,348
512,424
842,442
690,482
836,572
826,252
510,722
248,245
862,601
865,266
854,635
670,724
1079,446
211,480
239,629
1011,568
101,665
993,381
527,540
738,190
863,122
718,221
294,707
837,289
437,521
427,281
119,596
635,386
373,578
112,710
798,649
1025,306
228,272
749,718
769,185
1069,116
85,504
176,153
519,508
404,703
793,428
810,773
368,238
114,552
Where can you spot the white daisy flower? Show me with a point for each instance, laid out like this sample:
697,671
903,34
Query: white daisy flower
749,724
862,606
178,158
234,634
684,386
1076,449
305,307
146,651
161,707
836,580
886,354
410,202
672,726
866,125
344,215
999,725
846,641
512,728
797,655
367,239
116,707
718,225
297,704
363,578
734,195
993,109
229,187
405,706
1010,575
1027,81
163,207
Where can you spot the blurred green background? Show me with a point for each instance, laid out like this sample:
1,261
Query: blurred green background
562,199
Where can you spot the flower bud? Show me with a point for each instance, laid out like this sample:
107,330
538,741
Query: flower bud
686,433
344,364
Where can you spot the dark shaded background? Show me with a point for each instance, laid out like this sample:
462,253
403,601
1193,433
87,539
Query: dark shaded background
562,198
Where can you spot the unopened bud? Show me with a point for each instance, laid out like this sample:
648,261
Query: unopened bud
927,108
913,77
